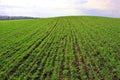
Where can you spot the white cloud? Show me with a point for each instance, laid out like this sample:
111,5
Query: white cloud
47,8
42,8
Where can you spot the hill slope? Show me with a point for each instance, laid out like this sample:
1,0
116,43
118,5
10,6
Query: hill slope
63,48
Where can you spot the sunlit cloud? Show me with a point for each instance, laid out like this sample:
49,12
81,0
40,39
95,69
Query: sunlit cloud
103,7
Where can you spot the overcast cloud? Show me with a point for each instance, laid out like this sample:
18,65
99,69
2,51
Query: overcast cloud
48,8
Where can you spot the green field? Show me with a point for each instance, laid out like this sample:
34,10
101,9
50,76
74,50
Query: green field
62,48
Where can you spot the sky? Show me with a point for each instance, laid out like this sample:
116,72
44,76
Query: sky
51,8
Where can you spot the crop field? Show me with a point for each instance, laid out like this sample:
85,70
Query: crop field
61,48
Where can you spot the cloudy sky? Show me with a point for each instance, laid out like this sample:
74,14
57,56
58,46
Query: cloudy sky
50,8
